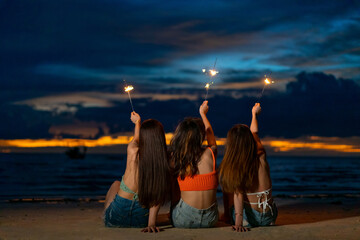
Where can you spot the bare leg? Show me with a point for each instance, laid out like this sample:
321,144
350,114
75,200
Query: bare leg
110,196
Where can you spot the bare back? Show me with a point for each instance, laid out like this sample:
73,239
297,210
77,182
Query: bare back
264,183
201,199
130,175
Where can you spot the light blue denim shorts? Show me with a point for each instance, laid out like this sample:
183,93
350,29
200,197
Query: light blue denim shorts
253,218
123,212
185,216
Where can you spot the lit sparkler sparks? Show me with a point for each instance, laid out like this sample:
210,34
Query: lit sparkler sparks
128,89
207,86
212,73
267,81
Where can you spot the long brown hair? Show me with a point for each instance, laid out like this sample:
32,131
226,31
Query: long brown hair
239,168
153,166
186,146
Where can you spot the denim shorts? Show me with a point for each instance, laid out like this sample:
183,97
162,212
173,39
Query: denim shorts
123,212
185,216
253,218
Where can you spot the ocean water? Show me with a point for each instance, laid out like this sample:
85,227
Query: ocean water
26,176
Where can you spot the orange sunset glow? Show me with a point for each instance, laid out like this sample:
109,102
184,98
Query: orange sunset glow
70,142
285,146
274,144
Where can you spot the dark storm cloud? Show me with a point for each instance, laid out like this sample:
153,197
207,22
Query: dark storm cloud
315,104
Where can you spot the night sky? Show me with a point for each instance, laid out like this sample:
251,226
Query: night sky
62,65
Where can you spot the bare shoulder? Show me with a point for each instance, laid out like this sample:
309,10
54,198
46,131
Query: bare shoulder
206,156
210,151
205,164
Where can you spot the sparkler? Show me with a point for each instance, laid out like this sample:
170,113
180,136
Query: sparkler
212,73
128,89
207,86
267,81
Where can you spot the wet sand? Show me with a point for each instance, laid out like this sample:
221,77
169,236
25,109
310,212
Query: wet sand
298,219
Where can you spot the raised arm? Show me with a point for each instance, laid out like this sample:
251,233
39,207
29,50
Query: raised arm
153,212
254,122
204,108
135,118
239,206
255,129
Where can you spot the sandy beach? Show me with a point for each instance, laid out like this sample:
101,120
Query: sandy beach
299,218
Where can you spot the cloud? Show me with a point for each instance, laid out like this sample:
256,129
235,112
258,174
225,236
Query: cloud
315,104
65,103
332,45
59,44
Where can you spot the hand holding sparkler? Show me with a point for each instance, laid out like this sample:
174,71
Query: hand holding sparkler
256,110
204,108
254,128
135,117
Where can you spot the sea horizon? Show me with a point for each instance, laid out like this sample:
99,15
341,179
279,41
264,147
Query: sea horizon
56,177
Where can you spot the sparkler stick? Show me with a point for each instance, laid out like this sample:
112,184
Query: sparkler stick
127,89
267,81
215,63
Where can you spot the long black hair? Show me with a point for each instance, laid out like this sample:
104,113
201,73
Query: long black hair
239,168
153,165
186,146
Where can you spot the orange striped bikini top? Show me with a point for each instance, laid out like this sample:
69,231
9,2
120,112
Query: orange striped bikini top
200,182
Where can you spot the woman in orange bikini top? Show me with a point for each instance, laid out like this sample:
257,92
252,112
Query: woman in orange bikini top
200,182
194,169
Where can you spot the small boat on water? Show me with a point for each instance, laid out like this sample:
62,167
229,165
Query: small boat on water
76,152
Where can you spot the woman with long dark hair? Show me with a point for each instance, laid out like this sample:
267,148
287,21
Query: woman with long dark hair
194,168
245,174
144,184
